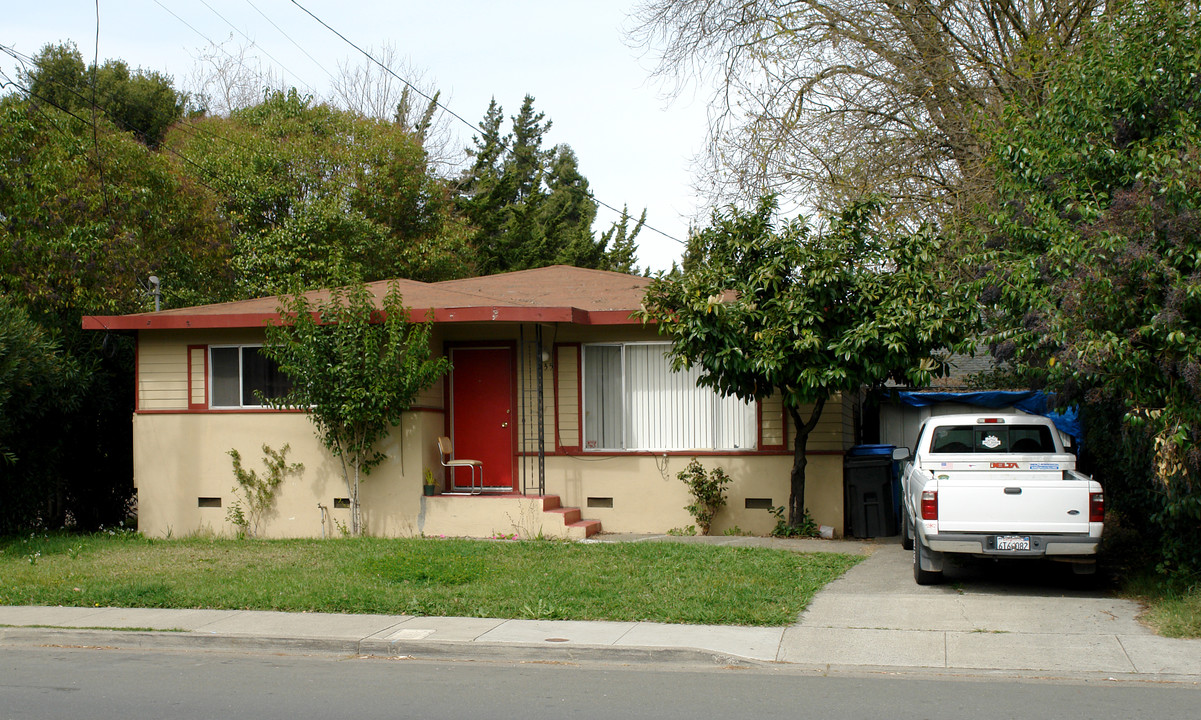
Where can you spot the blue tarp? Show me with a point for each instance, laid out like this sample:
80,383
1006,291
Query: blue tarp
1031,401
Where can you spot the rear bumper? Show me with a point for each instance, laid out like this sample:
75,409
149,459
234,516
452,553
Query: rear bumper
983,544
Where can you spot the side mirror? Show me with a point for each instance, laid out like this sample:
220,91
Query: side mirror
900,453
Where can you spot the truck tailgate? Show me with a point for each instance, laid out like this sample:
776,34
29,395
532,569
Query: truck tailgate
1012,503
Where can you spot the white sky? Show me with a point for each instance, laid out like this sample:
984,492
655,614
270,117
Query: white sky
634,146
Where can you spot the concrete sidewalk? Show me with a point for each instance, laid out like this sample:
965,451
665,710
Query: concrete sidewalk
874,618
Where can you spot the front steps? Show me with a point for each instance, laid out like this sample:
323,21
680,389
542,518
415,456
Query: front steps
576,528
488,516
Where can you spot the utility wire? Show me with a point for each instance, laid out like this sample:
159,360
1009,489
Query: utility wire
455,115
222,49
184,124
298,45
94,125
95,134
252,42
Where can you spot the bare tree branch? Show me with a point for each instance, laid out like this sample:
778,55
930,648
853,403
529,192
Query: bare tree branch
825,100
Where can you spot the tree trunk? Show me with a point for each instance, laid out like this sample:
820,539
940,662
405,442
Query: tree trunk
356,522
796,496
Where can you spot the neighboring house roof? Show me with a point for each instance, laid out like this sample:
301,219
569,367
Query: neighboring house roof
559,293
964,368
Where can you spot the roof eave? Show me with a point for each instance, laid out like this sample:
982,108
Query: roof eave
472,314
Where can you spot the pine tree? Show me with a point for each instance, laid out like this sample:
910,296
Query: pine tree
529,207
618,244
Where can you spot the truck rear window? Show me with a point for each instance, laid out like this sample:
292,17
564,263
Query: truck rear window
992,439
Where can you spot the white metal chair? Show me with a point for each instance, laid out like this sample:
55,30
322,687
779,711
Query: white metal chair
446,454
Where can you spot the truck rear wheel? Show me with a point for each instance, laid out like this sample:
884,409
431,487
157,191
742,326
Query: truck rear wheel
920,576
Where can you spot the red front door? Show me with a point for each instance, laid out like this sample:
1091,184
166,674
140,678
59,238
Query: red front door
481,416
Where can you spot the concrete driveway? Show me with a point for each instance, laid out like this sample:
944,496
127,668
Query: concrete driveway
1015,616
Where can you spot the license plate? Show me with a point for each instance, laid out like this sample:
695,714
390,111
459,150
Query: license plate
1013,542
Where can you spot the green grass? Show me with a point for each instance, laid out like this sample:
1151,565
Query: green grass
660,582
1171,612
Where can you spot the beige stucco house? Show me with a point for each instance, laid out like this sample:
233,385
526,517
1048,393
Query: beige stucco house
568,403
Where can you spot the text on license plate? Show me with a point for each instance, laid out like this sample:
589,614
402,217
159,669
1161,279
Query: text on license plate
1013,542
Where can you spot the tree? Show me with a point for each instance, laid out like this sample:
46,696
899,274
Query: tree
530,207
621,252
321,196
568,212
142,102
357,363
834,99
224,79
763,308
386,87
32,370
1094,248
87,218
88,214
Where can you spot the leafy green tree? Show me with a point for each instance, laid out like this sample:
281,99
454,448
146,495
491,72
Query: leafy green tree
320,196
530,207
1094,246
85,218
357,363
36,378
58,76
765,308
142,102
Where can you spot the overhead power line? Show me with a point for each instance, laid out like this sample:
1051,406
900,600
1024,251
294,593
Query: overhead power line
452,113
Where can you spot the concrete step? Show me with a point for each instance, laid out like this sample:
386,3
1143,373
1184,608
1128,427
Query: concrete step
572,522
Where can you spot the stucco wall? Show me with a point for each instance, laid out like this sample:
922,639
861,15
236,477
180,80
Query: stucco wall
182,457
647,497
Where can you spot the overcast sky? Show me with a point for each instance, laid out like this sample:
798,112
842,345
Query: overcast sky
634,146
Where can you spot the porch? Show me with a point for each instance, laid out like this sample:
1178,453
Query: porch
502,515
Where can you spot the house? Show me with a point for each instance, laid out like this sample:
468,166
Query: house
567,401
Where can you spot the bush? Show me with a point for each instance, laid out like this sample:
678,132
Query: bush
708,493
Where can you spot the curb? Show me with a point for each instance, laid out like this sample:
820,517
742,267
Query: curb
432,650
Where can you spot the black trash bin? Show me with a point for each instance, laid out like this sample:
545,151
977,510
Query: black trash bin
870,494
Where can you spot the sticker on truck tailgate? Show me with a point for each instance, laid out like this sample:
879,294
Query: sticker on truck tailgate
1044,466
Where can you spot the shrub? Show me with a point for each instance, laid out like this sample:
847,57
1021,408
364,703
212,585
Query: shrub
708,493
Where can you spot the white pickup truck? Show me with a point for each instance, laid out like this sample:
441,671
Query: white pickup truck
997,486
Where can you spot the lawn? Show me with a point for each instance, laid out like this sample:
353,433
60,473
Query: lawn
1171,611
660,582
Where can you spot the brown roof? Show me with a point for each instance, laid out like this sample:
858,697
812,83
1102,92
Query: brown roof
559,293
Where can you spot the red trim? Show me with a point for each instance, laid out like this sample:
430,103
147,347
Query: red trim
684,453
204,403
221,411
519,314
606,317
252,411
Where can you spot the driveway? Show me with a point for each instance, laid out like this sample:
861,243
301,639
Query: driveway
1017,616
